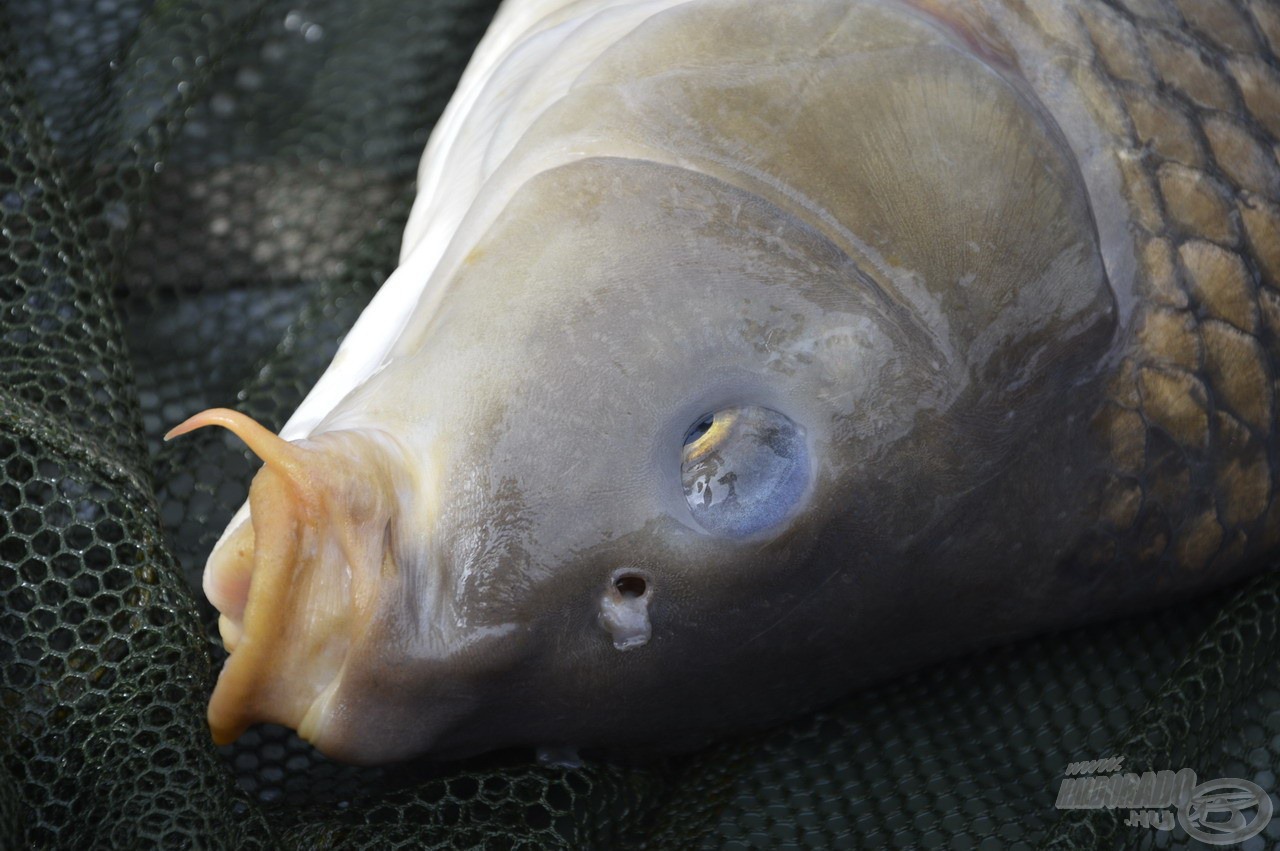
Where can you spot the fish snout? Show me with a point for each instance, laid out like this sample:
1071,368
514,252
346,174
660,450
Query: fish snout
297,584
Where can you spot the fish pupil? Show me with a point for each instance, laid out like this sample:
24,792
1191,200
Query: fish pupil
698,429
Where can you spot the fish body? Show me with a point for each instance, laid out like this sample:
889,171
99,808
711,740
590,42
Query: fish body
742,353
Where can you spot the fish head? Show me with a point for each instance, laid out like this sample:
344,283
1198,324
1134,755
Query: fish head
665,458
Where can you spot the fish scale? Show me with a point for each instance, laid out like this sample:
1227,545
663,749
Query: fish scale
1187,92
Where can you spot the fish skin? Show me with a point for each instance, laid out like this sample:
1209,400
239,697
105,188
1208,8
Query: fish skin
1156,481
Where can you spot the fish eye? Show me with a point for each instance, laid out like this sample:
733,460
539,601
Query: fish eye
743,469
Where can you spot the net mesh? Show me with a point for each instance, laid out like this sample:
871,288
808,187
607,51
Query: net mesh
196,201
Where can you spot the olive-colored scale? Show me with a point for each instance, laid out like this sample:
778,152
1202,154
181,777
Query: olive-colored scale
1190,91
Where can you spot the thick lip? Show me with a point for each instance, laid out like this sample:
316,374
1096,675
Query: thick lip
297,585
226,579
280,662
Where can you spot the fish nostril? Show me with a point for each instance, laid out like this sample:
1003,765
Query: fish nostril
631,585
624,609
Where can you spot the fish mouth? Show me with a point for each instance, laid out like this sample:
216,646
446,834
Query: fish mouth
297,585
283,624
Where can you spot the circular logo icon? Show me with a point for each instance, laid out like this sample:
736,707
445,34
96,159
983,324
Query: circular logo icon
1225,811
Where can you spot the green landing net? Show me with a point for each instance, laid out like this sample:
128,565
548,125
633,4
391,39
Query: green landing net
196,201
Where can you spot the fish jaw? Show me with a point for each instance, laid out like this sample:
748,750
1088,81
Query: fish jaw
298,587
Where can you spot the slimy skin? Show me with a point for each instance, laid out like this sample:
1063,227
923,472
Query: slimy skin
743,353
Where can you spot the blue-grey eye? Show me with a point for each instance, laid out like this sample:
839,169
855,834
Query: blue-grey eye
743,469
